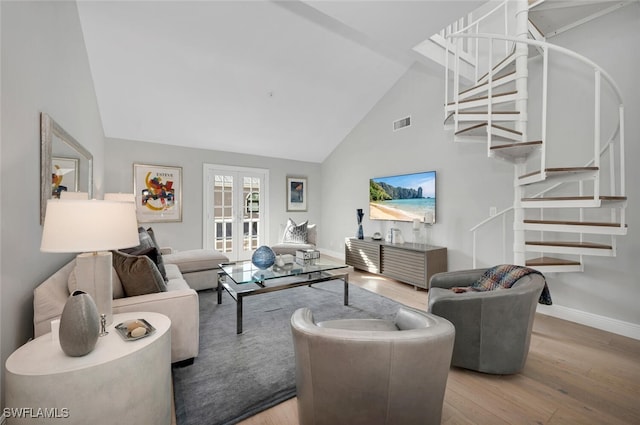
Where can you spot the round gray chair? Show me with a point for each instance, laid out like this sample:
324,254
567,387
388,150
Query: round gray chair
370,371
493,328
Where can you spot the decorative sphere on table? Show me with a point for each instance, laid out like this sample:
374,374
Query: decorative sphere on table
263,257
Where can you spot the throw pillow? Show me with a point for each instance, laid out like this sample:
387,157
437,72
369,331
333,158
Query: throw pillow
147,240
138,274
295,233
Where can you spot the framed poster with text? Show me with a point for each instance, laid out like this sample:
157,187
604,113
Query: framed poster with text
158,191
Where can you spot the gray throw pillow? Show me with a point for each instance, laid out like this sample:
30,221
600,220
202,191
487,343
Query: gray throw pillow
138,274
147,240
295,233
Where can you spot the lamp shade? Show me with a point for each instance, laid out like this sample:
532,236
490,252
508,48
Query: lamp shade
122,197
89,225
73,195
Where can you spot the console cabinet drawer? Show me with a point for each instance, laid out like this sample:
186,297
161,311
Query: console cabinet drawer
362,255
410,263
403,265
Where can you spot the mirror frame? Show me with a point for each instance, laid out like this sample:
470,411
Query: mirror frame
48,129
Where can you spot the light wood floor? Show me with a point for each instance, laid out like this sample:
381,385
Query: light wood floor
574,375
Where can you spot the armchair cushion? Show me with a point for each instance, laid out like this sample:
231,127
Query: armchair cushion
371,371
493,328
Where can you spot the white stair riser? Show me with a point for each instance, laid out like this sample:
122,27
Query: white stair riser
559,269
559,178
466,117
599,252
481,102
567,228
561,204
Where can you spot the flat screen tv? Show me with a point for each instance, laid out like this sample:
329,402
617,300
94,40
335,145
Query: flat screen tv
403,197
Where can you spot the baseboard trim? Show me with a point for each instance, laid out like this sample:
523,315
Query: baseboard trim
630,330
334,254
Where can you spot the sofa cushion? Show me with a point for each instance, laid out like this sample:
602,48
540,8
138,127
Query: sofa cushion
295,233
195,260
147,241
138,274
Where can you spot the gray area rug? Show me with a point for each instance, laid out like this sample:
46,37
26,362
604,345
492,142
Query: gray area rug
237,376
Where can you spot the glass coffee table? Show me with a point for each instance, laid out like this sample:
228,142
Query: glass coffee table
244,279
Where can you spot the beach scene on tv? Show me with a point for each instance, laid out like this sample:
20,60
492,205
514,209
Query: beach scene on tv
403,198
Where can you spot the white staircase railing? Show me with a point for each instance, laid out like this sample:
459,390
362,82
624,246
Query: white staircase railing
599,76
610,147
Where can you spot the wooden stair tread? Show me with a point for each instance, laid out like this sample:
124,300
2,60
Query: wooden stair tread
550,261
471,99
487,112
576,198
569,244
517,145
486,82
574,223
560,170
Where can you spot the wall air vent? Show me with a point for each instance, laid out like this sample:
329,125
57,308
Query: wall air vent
401,123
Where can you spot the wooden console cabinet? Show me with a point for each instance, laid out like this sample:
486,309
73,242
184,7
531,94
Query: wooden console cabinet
412,263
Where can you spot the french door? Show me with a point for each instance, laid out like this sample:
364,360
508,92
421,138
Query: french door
235,210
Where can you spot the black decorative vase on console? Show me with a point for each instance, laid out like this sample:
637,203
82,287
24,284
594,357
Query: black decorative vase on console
360,214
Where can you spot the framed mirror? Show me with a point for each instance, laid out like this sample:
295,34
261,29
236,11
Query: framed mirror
65,165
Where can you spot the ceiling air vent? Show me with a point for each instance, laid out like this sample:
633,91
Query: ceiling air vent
401,123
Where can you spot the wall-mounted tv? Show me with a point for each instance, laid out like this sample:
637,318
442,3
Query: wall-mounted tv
403,197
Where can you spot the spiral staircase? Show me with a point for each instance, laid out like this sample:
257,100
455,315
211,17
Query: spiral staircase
561,212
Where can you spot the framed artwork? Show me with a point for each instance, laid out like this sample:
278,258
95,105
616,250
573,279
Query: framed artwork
158,191
296,193
64,175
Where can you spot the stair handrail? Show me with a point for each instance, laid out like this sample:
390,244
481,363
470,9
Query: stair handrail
544,44
459,52
474,231
599,74
476,27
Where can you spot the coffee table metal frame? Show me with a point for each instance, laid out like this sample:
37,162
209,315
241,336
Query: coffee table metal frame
308,278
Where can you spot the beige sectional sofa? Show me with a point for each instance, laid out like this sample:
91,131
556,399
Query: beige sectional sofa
186,272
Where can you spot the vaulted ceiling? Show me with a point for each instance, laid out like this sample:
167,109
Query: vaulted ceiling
286,79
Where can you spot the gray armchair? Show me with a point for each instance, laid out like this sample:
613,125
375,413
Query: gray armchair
493,328
367,371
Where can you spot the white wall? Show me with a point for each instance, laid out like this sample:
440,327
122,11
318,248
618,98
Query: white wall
469,183
120,155
610,286
44,69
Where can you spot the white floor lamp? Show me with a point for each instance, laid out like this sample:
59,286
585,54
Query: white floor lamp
91,227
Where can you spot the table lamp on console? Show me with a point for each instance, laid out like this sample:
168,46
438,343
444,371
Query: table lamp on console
92,228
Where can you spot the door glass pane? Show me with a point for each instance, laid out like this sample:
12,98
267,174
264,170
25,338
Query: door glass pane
251,212
223,212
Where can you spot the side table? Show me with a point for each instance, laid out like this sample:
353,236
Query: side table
118,382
